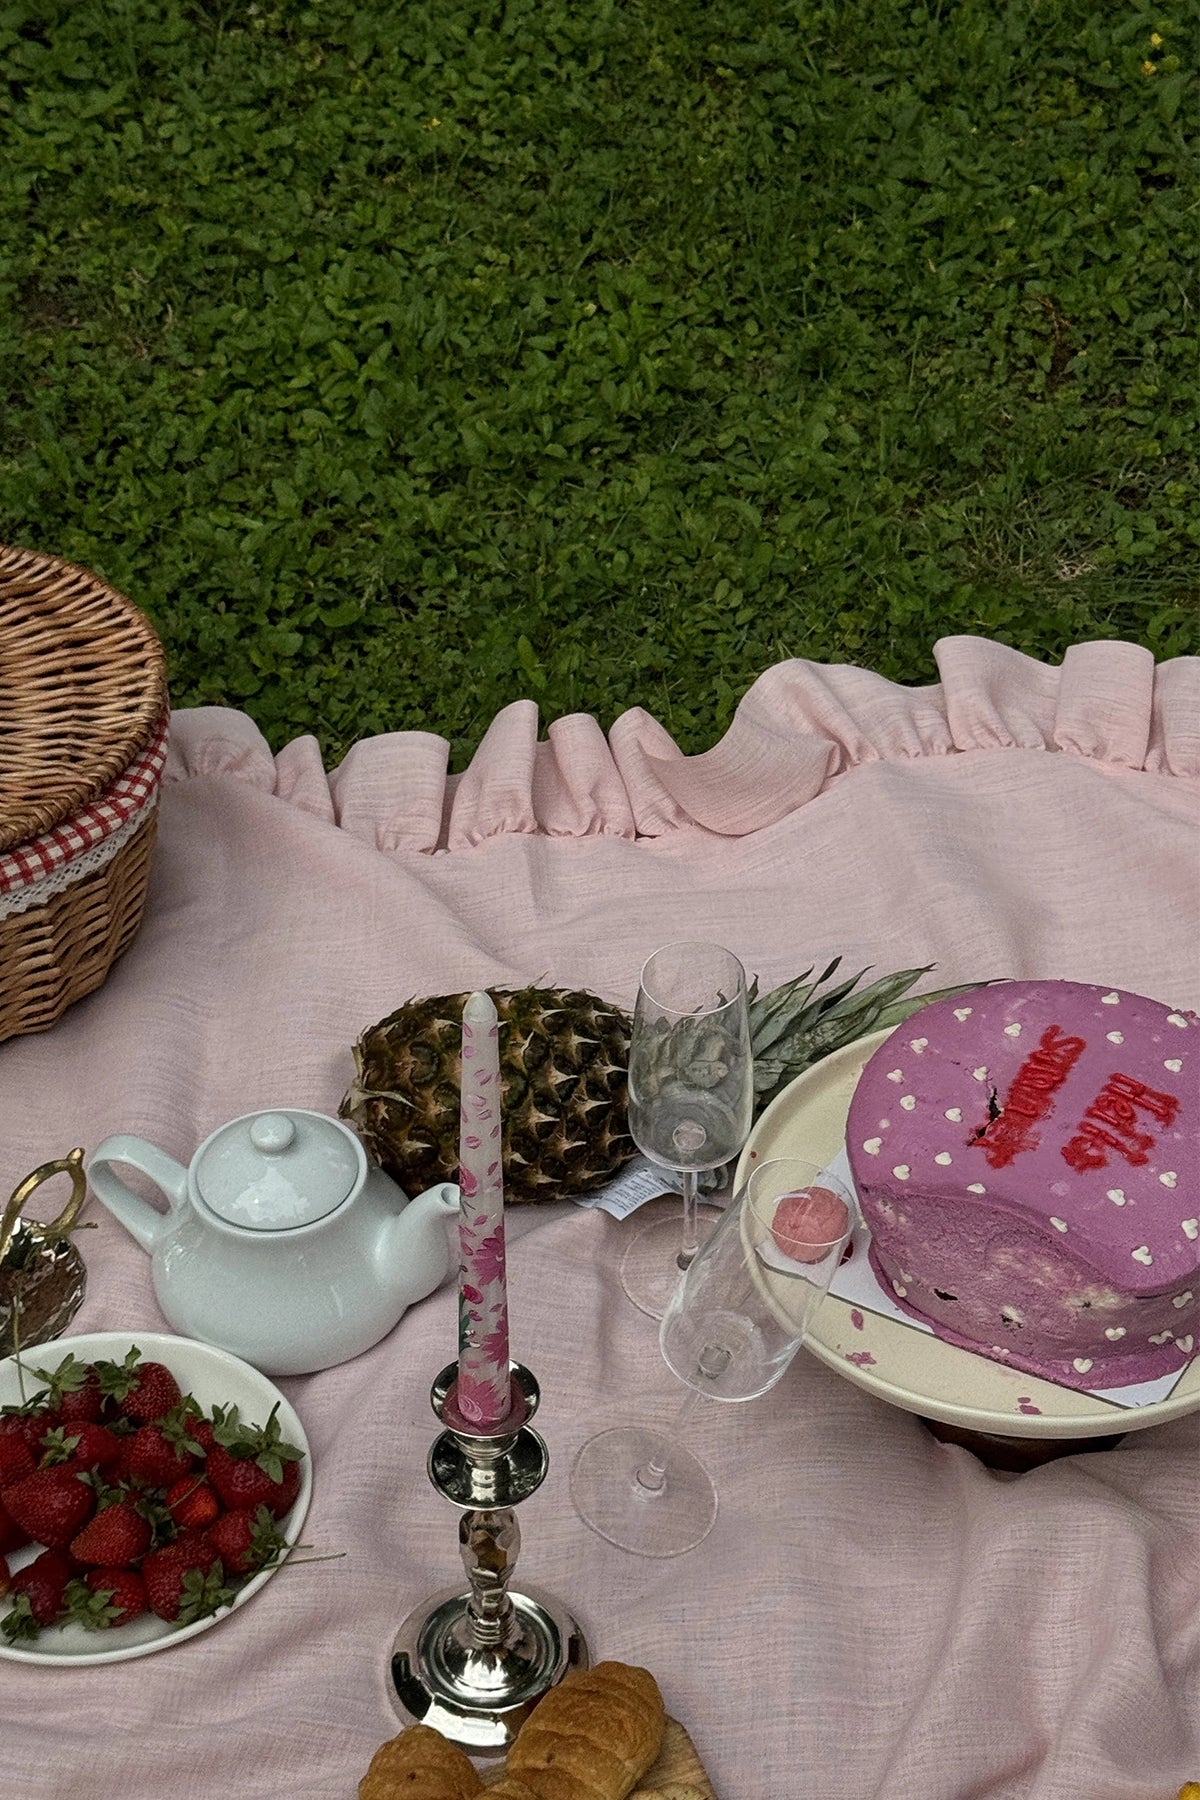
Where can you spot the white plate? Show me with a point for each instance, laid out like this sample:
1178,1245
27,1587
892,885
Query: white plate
913,1369
214,1377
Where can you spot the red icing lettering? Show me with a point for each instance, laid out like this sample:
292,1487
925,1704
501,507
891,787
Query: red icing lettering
1030,1098
1116,1106
1163,1107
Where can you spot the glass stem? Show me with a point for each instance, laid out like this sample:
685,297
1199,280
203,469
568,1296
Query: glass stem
690,1242
651,1478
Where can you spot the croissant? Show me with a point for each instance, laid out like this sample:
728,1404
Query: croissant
591,1738
419,1764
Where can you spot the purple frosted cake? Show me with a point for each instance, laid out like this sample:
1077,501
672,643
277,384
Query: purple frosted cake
1027,1157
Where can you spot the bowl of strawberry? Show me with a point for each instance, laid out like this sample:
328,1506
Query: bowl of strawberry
148,1485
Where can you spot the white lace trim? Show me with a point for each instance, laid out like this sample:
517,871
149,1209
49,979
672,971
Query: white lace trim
57,881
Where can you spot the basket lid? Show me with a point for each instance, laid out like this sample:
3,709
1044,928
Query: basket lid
83,686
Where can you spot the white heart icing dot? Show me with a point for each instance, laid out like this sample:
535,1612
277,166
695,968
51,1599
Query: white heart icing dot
872,1146
918,1044
1161,1337
1059,1224
1114,1333
979,1074
954,1114
1110,999
1142,1255
1173,1063
1115,1037
962,1012
1181,1300
977,1187
898,1289
902,1171
1012,1031
1177,1019
942,1157
1191,1228
1117,1196
1184,1344
1168,1178
908,1101
1082,1364
895,1075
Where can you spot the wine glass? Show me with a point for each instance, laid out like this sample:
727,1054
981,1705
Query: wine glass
734,1324
691,1096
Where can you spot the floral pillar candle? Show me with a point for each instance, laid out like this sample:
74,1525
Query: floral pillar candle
482,1393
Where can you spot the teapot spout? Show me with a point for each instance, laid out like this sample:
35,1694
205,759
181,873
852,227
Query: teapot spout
414,1249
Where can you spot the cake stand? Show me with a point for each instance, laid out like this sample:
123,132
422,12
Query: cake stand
1009,1419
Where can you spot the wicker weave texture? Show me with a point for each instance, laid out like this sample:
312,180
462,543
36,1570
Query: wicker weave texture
83,683
54,954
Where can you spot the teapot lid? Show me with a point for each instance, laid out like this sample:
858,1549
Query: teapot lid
274,1171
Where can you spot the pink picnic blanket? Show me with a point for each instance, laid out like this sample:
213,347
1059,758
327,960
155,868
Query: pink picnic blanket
876,1614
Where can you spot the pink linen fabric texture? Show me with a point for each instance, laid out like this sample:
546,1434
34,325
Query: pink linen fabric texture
875,1614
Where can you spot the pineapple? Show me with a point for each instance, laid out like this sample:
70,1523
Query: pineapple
563,1061
563,1057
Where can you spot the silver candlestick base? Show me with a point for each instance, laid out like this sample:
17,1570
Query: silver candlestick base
474,1665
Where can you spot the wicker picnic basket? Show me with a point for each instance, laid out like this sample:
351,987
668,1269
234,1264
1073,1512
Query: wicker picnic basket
83,723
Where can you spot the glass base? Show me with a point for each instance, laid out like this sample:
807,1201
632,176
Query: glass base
650,1270
608,1496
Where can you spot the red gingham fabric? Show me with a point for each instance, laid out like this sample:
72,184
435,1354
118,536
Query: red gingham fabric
133,790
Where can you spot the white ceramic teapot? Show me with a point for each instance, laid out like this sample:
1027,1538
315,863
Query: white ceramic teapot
281,1242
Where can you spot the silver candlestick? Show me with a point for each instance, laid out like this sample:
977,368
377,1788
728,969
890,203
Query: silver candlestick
474,1665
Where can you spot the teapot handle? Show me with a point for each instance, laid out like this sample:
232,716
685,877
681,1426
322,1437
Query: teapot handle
139,1219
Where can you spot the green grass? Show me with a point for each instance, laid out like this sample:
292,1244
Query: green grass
405,360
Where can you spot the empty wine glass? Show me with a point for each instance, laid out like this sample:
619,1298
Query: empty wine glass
734,1324
691,1096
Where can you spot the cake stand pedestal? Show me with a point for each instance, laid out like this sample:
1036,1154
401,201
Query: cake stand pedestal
1016,1455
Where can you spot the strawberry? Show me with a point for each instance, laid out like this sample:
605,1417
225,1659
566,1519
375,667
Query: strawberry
12,1537
40,1590
142,1391
114,1538
251,1466
51,1505
184,1581
29,1423
191,1503
203,1432
83,1443
74,1389
16,1459
247,1540
161,1453
106,1598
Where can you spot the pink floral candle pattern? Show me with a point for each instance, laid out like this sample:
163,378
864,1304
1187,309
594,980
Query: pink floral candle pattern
482,1393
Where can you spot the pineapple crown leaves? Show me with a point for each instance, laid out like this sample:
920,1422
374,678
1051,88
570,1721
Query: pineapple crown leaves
264,1443
802,1027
